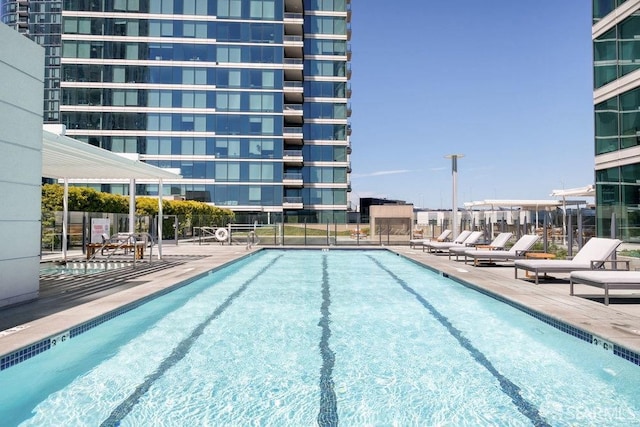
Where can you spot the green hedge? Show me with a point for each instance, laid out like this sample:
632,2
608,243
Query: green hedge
82,199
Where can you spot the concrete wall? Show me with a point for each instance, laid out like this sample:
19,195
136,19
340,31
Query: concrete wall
396,220
21,96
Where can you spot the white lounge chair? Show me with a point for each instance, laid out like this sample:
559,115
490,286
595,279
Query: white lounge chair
606,279
441,238
458,240
517,251
471,239
593,254
497,243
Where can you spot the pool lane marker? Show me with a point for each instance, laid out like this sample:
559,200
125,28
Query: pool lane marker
328,415
508,387
178,353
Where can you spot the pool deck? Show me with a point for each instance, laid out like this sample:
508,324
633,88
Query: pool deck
64,303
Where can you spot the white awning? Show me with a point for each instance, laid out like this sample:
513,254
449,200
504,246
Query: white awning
64,157
514,203
589,190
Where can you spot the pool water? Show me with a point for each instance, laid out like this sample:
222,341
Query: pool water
322,337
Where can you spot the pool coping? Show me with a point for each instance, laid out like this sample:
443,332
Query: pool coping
588,320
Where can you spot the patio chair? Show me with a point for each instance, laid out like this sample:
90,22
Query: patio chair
496,244
441,238
606,279
593,255
517,251
462,241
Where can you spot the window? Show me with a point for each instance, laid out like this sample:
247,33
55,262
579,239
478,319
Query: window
229,54
125,97
124,145
195,29
262,9
227,171
229,8
261,102
161,98
228,101
196,76
255,194
194,99
195,7
161,6
326,24
161,28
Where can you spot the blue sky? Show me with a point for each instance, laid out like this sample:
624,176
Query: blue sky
507,83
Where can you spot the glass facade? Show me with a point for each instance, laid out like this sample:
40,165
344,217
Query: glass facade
41,21
616,52
252,109
616,48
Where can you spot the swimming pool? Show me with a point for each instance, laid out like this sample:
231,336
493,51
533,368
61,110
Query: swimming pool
334,337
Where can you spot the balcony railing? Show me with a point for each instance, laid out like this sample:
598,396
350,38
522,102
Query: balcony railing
293,107
293,130
292,176
292,200
292,153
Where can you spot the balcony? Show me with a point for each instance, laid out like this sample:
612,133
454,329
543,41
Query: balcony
293,69
291,179
292,203
293,92
293,135
293,47
293,6
293,23
293,157
293,114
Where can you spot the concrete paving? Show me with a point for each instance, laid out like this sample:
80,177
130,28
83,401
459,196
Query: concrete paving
62,306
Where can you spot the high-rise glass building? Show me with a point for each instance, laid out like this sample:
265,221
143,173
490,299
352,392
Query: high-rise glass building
249,99
616,95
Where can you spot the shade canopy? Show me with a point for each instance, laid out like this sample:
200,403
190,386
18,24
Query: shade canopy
67,158
587,191
514,203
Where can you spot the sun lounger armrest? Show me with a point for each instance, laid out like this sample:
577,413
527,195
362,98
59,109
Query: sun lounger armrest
597,264
522,253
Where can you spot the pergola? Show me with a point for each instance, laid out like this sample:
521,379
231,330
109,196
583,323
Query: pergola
67,159
524,204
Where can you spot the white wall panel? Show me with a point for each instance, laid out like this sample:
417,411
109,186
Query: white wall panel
18,280
21,100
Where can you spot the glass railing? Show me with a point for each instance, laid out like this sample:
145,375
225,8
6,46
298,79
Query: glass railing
292,199
292,153
292,176
290,130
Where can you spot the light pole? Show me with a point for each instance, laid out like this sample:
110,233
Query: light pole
454,176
